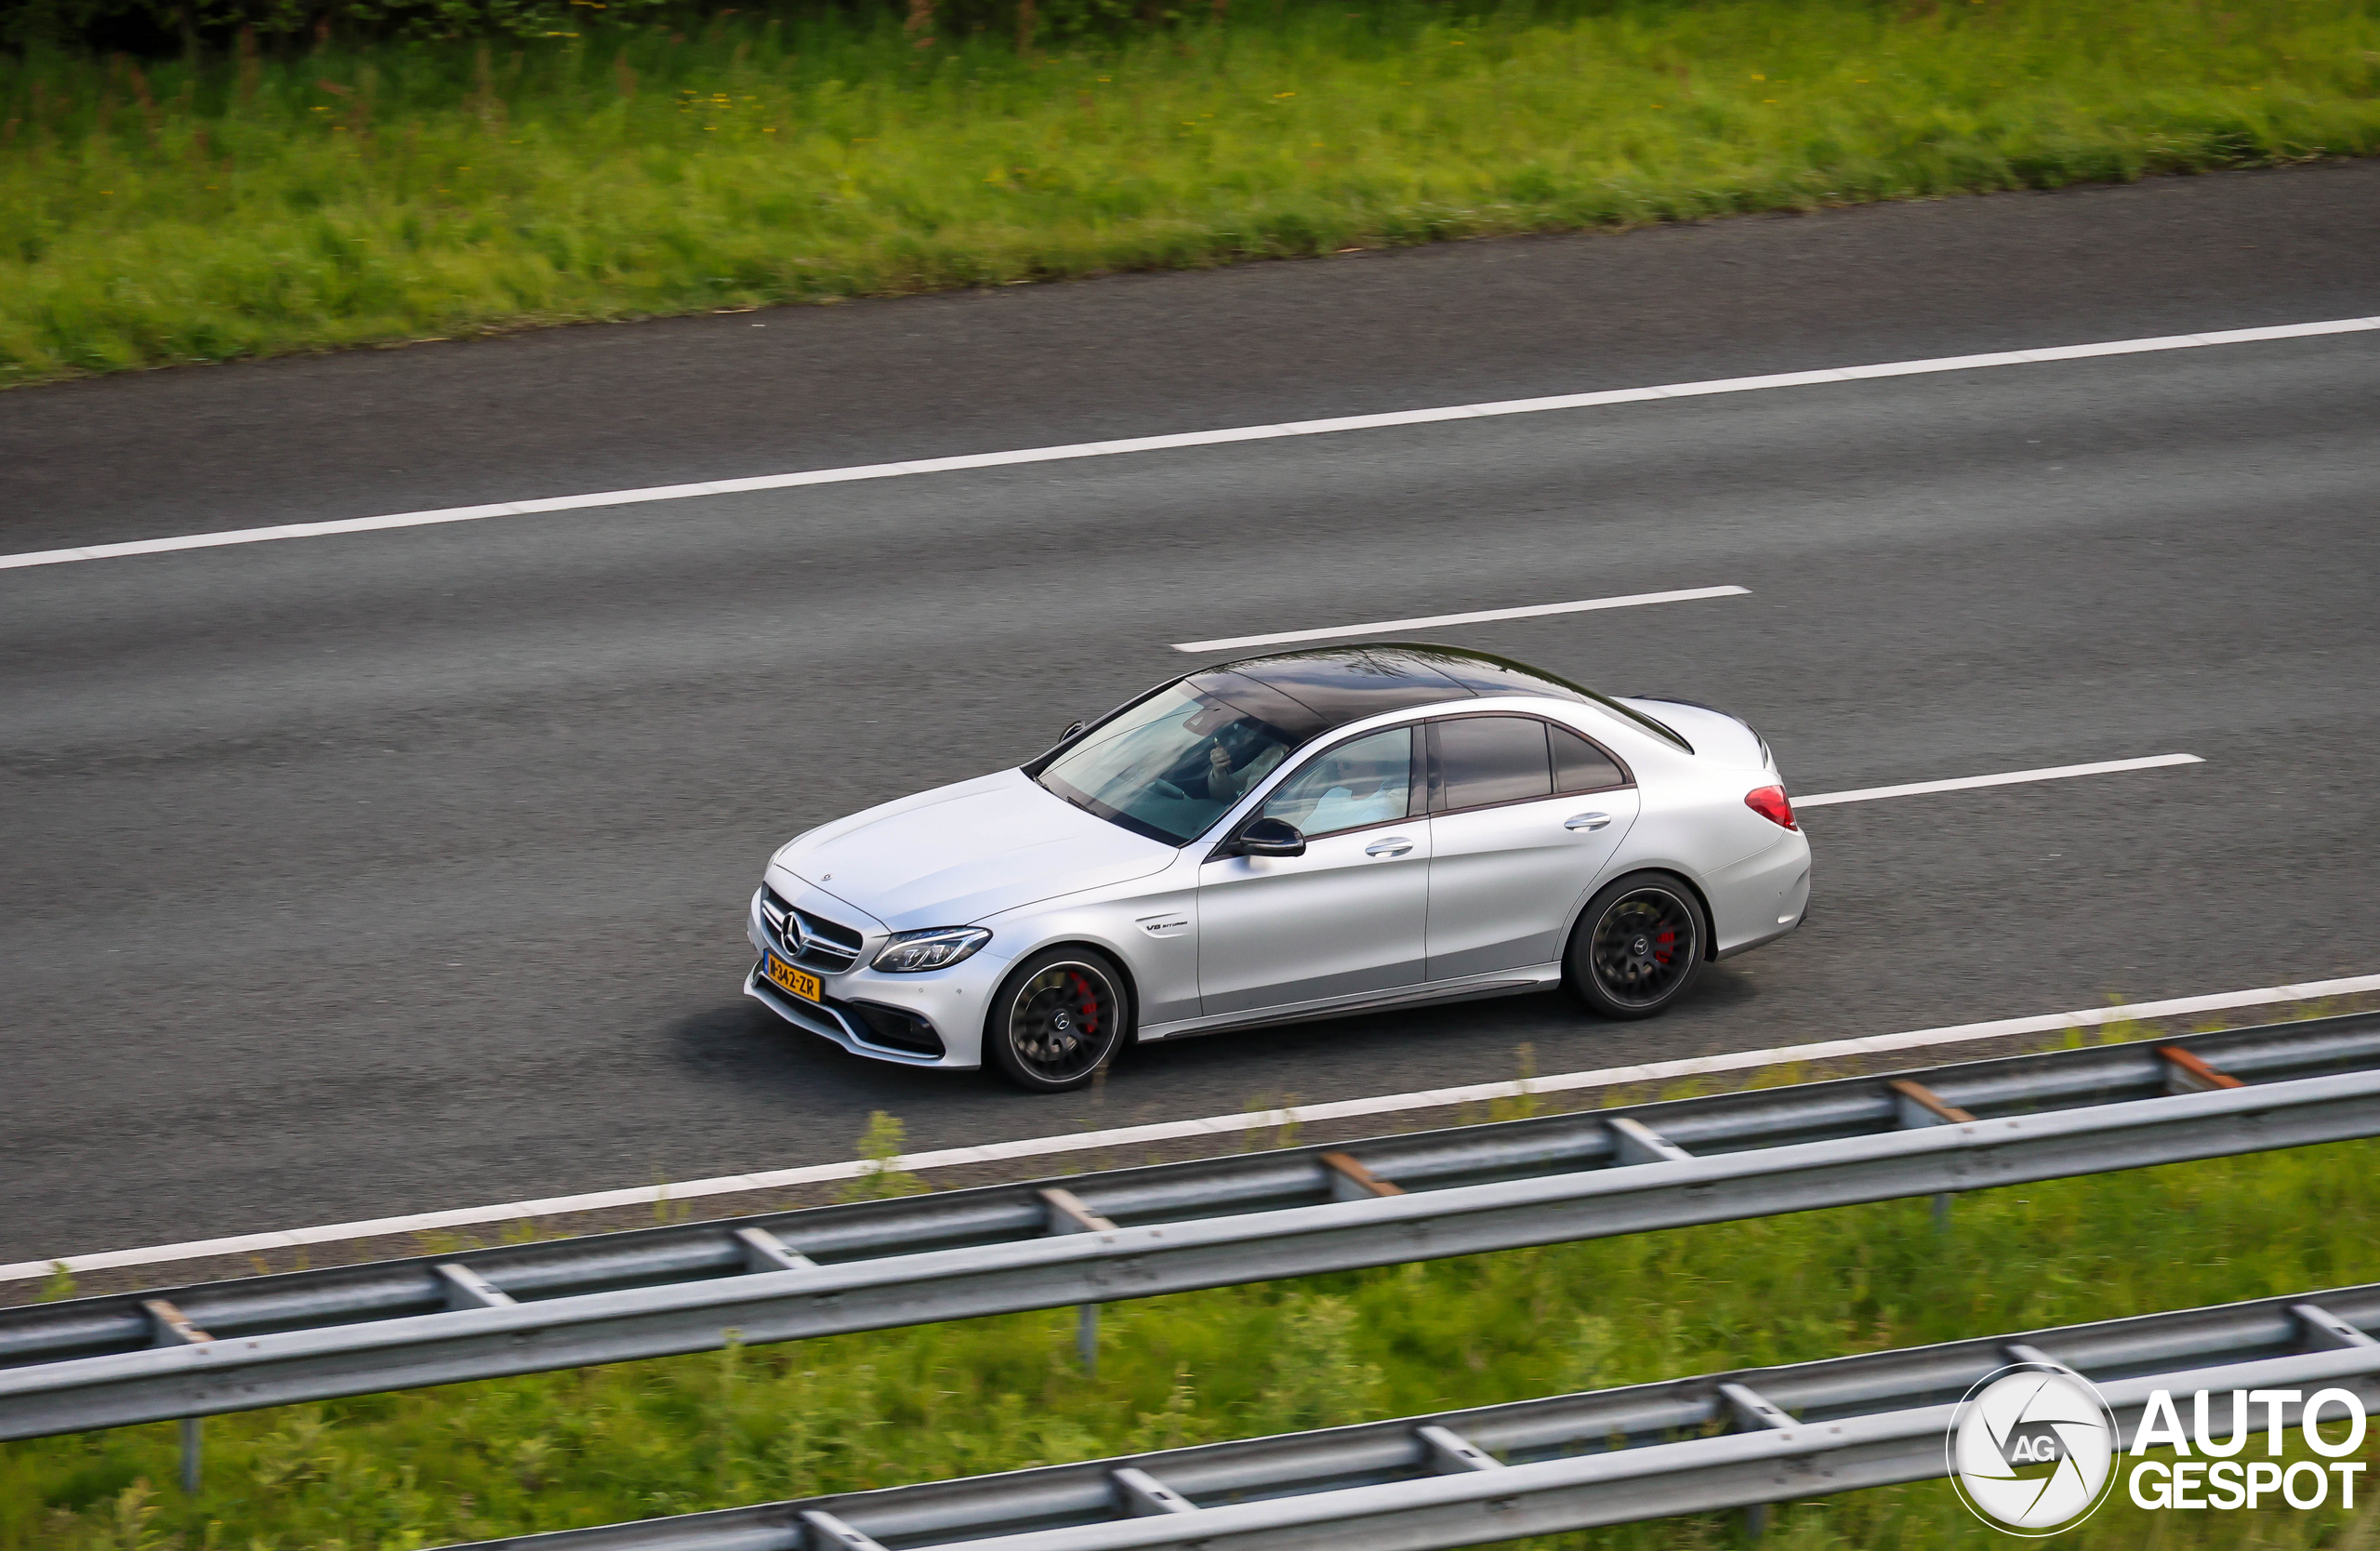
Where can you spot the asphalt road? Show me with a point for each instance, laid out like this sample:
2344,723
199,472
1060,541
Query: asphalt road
400,870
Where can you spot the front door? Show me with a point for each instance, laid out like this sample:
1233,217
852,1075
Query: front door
1347,917
1524,818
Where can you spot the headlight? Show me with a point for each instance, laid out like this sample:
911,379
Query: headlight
936,948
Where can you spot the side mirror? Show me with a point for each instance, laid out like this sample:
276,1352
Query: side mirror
1271,837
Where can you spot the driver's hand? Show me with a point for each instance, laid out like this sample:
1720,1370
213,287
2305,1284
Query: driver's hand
1219,761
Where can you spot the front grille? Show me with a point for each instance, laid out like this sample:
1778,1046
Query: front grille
808,939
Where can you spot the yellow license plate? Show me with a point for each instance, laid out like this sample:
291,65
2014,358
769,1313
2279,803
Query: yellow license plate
785,978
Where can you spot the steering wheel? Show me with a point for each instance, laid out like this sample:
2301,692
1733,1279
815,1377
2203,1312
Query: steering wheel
1167,788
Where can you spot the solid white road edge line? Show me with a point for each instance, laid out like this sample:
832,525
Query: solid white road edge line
1435,1099
1192,439
2005,778
1381,626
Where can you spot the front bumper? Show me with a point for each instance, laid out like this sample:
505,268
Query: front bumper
933,1019
848,1026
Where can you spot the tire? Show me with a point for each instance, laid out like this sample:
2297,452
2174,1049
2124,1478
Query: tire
1058,1019
1639,943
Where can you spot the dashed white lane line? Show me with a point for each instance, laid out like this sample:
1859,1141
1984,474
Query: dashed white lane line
2005,778
1192,439
1127,1136
1429,621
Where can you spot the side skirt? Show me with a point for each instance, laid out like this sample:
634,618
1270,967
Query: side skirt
1535,977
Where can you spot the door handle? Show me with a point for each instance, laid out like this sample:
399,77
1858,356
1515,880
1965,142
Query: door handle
1394,845
1586,821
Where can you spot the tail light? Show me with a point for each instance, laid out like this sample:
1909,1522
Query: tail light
1771,803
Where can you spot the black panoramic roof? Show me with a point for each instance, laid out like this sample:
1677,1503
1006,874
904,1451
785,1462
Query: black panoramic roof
1308,693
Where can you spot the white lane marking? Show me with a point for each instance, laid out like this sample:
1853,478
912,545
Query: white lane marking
1125,1136
1381,626
2005,778
1192,439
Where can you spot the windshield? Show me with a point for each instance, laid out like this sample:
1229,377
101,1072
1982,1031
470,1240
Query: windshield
1168,767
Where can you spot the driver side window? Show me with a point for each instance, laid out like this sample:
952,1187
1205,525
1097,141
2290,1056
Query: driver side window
1367,780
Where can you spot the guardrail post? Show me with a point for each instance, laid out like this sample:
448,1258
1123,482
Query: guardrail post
191,1441
1350,1181
171,1327
2018,1351
1920,1107
1144,1497
2184,1073
465,1288
1638,1143
823,1531
764,1251
1750,1412
1068,1214
2325,1331
1451,1453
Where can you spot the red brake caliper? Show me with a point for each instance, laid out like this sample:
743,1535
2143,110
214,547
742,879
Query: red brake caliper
1090,1005
1668,945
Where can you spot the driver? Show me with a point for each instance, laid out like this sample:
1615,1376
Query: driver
1226,785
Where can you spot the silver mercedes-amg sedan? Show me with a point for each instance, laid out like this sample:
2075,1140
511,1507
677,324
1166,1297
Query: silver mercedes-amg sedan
1298,836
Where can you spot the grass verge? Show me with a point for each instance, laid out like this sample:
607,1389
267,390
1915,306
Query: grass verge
210,210
549,1452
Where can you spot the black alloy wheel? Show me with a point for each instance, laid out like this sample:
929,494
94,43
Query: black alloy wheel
1637,946
1057,1020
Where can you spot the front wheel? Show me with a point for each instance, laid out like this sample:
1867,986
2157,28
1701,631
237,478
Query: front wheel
1637,946
1057,1019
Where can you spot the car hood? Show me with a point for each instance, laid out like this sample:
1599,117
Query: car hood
958,854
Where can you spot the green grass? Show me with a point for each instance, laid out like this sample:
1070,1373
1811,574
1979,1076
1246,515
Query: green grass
636,1439
198,213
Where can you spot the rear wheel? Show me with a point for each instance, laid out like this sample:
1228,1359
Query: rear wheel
1637,946
1057,1019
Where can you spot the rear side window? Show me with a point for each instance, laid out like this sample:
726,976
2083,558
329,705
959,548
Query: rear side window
1490,759
1580,766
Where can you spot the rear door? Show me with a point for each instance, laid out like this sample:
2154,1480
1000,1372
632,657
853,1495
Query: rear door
1524,815
1346,918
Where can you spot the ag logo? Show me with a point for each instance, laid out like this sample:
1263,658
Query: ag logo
2032,1449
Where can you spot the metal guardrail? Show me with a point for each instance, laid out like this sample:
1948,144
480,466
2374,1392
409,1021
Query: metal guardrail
186,1352
1570,1461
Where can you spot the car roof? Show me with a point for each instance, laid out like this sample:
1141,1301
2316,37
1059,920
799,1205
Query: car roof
1310,692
